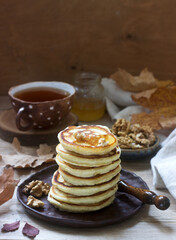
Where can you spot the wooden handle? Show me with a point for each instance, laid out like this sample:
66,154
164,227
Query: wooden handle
145,195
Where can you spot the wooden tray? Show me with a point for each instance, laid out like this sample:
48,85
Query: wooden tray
124,206
33,137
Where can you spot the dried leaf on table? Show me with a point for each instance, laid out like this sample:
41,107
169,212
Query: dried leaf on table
30,231
16,144
159,98
146,119
131,83
7,185
165,83
168,122
9,227
19,156
43,150
161,102
143,96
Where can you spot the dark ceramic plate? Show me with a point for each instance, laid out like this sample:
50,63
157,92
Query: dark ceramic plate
123,207
131,154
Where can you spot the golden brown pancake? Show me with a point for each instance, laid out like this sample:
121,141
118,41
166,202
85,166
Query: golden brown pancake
85,171
69,198
88,140
64,186
78,207
98,179
87,160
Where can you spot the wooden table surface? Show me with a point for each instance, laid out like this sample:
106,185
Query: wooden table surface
148,223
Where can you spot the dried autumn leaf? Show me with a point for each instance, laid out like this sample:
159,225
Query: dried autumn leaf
30,230
131,83
9,227
158,98
144,95
168,122
147,119
162,103
43,150
167,112
161,119
165,83
7,185
16,144
19,156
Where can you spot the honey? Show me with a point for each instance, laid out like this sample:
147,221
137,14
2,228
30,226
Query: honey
88,110
89,102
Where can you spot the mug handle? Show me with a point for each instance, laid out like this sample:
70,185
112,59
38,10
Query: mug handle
19,115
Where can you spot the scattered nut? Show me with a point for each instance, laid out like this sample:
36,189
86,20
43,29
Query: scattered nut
37,188
34,203
132,136
45,189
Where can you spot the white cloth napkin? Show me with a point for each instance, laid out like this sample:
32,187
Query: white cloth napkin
115,112
164,165
119,103
116,94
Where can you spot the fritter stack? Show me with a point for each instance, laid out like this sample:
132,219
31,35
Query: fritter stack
89,169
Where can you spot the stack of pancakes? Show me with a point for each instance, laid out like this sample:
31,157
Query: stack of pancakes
89,169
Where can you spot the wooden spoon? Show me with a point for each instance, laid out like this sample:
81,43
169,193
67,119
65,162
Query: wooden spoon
145,195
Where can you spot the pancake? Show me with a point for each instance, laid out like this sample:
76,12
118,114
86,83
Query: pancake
88,140
98,179
68,198
88,160
85,171
89,169
78,207
59,182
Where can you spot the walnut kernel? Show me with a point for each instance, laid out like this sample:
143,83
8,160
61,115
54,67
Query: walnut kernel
34,202
132,136
37,188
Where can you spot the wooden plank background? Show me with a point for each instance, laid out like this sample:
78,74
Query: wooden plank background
52,40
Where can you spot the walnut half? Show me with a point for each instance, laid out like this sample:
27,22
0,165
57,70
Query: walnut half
34,202
37,188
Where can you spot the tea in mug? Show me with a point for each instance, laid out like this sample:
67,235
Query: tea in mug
41,94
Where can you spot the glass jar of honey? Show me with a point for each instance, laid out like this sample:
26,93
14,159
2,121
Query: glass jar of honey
89,102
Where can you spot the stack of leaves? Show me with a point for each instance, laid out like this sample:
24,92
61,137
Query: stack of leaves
161,102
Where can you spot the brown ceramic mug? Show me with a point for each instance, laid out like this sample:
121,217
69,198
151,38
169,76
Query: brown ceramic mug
41,104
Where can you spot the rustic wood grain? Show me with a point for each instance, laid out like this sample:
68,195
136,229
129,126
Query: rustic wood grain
52,40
